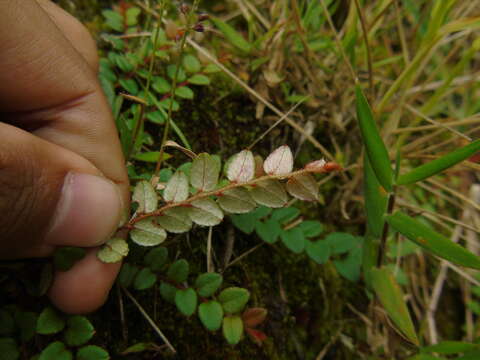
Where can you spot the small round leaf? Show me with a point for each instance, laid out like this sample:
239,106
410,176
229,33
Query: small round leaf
186,301
79,331
56,351
178,271
50,322
145,279
211,315
113,251
92,352
232,329
207,284
234,299
147,233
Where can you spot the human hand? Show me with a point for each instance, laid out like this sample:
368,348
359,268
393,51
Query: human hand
62,173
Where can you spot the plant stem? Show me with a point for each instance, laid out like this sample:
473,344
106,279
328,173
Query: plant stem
367,46
383,242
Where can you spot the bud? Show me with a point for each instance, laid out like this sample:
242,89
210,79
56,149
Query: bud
203,17
199,28
184,8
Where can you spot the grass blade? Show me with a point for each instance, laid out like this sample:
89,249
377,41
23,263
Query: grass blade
391,297
438,165
375,200
376,150
432,241
234,37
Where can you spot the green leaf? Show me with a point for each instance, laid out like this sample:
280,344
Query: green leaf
375,200
303,187
186,301
9,349
175,220
204,172
157,117
285,215
233,299
113,251
211,315
130,85
50,322
145,195
176,189
147,233
211,69
79,331
232,329
236,201
450,347
199,79
151,156
341,242
392,299
376,150
145,279
244,222
207,284
269,193
232,35
268,231
293,239
350,266
178,271
127,274
156,258
205,212
184,92
191,63
432,241
168,291
131,16
113,20
434,167
161,85
311,228
172,71
56,351
65,257
318,251
92,352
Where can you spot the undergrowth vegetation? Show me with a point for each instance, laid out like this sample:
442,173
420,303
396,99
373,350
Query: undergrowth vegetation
363,249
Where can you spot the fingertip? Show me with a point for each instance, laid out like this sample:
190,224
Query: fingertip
85,287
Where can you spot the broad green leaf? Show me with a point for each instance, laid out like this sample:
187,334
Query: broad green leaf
269,231
186,301
311,228
232,35
285,215
279,162
319,251
92,352
168,291
130,85
205,212
211,69
113,251
207,284
56,351
172,71
127,274
236,201
65,257
199,79
293,239
370,253
450,347
434,167
191,63
147,233
350,266
376,150
145,195
151,156
392,299
432,241
184,92
113,20
156,258
161,85
145,279
140,347
50,322
244,222
9,349
303,187
175,220
204,172
341,242
471,355
375,200
232,329
270,193
176,189
131,15
241,167
178,271
233,299
79,330
211,315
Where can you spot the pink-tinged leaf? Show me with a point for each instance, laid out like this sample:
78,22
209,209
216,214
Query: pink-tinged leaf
242,167
177,188
279,162
254,316
316,166
256,335
303,187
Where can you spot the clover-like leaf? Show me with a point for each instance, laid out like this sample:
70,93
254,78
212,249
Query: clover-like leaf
178,271
156,258
207,284
232,329
319,251
175,220
186,301
303,187
294,239
145,279
147,233
56,351
233,299
127,274
114,250
176,189
50,322
268,230
146,197
237,201
92,352
211,315
79,331
279,162
204,172
205,212
269,193
168,291
241,167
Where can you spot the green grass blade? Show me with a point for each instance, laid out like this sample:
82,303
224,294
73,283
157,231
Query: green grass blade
375,200
438,165
432,241
376,150
391,297
232,35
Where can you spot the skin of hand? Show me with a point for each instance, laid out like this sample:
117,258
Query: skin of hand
62,174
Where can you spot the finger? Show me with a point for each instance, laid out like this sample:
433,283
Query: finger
50,196
47,88
74,31
85,287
